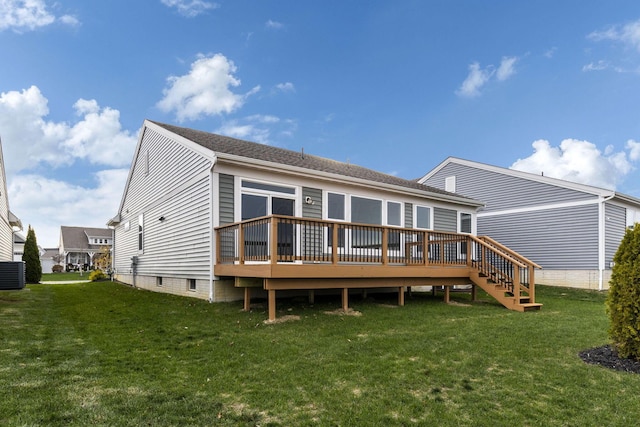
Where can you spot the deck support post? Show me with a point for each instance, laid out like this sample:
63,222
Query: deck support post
447,291
474,293
247,299
345,299
401,296
312,296
272,304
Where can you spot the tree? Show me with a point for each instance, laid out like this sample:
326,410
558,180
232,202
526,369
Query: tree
103,259
31,257
623,301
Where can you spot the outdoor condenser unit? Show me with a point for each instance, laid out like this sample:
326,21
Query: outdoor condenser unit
12,275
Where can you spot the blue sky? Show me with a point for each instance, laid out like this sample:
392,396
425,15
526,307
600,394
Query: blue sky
396,86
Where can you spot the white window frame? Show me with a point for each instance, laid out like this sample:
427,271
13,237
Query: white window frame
385,213
415,216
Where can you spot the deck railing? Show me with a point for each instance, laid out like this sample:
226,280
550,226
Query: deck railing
283,239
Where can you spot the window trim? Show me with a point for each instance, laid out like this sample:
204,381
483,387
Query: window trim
460,213
415,216
325,208
386,213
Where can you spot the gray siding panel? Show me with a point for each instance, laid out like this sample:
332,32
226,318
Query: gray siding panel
445,219
499,191
312,210
564,238
226,209
408,215
168,180
615,224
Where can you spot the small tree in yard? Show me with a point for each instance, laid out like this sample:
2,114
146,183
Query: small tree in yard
31,257
623,301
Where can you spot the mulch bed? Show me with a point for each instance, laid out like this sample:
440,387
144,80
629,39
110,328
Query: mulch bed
607,357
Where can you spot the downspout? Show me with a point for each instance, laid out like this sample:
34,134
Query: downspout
602,239
211,232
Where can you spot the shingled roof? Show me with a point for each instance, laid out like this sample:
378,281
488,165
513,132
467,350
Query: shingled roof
77,238
237,147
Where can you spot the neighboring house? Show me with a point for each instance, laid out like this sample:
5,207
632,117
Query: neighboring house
18,246
211,217
48,258
571,230
80,245
9,223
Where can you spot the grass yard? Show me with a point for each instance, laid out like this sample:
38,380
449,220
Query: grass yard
60,277
106,354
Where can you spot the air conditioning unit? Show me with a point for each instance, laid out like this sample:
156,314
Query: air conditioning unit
12,275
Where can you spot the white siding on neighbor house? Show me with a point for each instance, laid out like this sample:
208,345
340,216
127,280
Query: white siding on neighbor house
6,232
615,226
564,238
499,191
173,182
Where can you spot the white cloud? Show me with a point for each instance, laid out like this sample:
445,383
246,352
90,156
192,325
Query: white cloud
274,25
258,128
29,139
21,15
479,77
46,204
190,8
628,34
634,150
551,52
506,68
205,90
476,79
596,66
286,87
580,161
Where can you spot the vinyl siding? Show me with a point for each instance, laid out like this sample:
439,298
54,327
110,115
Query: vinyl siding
614,226
226,188
408,215
499,191
6,232
445,219
565,238
312,210
176,187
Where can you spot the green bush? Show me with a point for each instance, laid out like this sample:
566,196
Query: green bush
96,275
31,258
623,301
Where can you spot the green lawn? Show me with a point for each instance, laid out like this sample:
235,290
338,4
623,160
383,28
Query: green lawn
107,354
59,277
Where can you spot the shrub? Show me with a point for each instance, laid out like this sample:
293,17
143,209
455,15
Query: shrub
57,268
31,258
96,275
623,300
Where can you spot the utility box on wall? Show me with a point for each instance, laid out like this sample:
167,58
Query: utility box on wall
12,275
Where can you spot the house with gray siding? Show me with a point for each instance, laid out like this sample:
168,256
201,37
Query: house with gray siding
8,221
187,190
571,230
79,246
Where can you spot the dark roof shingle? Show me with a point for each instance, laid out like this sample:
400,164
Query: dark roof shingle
252,150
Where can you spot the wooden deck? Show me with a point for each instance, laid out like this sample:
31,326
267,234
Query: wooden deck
283,253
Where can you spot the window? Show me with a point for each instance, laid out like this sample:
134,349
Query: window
465,223
140,231
423,217
191,284
268,187
394,213
159,281
366,211
335,206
